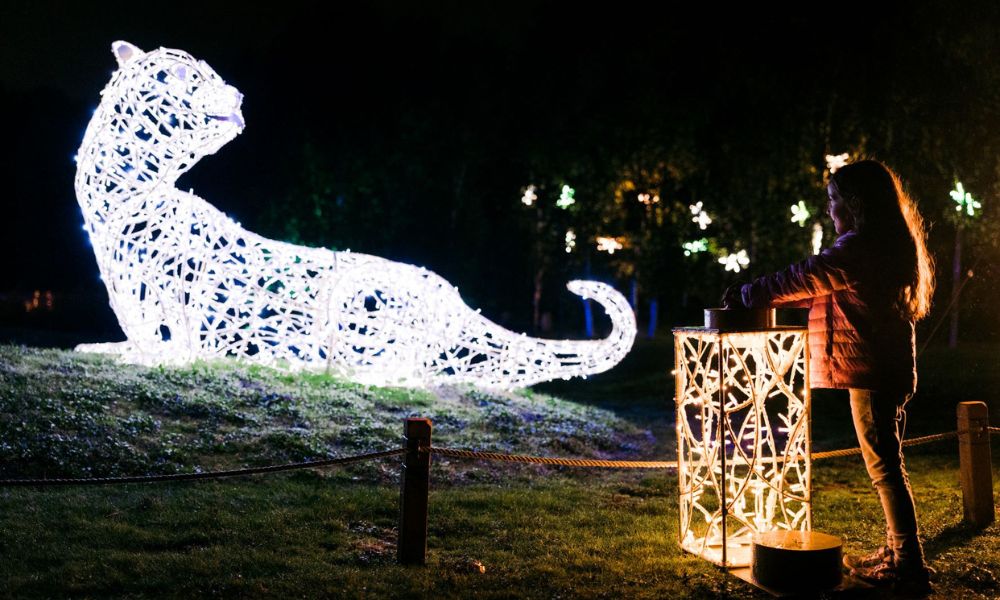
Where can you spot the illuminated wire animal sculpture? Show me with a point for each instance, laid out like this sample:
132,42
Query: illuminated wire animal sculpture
186,282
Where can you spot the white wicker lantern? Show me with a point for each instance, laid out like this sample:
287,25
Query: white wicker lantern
743,432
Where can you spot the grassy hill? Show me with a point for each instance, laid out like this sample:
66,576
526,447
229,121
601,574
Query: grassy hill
65,414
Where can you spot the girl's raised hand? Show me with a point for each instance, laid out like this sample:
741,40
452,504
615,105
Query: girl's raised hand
733,296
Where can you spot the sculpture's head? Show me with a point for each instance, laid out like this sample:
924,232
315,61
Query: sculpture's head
167,109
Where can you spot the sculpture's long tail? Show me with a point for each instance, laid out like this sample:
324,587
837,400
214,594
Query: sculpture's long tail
502,358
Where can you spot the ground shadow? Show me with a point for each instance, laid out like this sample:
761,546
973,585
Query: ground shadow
958,534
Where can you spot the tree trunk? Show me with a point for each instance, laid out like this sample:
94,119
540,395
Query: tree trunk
654,306
956,287
536,297
588,312
634,296
536,301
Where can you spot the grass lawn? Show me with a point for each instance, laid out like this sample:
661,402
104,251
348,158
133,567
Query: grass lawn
495,531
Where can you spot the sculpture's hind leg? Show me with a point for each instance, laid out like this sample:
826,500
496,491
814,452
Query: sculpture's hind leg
160,353
114,348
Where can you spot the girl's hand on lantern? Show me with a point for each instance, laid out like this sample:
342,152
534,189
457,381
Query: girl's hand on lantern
733,297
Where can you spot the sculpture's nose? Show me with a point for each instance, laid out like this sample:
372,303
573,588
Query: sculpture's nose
237,101
237,117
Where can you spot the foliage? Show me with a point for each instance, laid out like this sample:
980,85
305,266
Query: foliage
443,169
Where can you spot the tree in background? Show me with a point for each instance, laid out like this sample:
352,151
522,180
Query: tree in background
645,212
444,171
548,211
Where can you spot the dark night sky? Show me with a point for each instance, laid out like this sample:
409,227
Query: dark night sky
345,72
58,45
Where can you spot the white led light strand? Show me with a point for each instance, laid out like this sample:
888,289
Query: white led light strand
700,216
529,196
570,240
964,200
608,244
186,282
566,197
735,262
836,161
694,247
817,238
800,214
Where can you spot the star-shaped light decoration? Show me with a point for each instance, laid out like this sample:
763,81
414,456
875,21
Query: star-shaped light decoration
800,213
570,240
836,161
566,197
964,200
695,247
700,216
529,196
608,244
735,262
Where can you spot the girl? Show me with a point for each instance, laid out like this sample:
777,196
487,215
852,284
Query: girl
864,295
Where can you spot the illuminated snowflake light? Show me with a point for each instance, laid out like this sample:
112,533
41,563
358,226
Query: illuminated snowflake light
817,238
735,262
570,240
187,282
608,244
700,216
743,447
836,161
964,200
695,247
529,196
800,214
566,197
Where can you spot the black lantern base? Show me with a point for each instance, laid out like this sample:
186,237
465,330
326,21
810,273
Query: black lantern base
797,564
739,319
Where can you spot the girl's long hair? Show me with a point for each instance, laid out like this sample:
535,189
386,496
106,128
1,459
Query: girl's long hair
886,217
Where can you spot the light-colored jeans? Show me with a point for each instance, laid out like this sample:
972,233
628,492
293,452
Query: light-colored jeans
879,420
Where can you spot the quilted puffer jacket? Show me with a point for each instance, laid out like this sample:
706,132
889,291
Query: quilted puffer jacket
857,339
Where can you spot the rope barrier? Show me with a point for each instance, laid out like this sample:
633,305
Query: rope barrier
911,442
449,452
652,464
207,475
566,462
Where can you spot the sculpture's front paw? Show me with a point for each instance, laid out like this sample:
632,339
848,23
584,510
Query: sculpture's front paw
115,348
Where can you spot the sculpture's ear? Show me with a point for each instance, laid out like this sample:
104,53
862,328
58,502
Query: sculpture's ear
125,52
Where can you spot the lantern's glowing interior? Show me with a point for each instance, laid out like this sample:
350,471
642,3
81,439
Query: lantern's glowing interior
743,438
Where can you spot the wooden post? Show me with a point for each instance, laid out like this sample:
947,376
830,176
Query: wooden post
415,477
974,463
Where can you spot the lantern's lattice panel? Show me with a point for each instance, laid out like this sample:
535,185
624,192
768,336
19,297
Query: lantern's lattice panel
743,438
187,282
